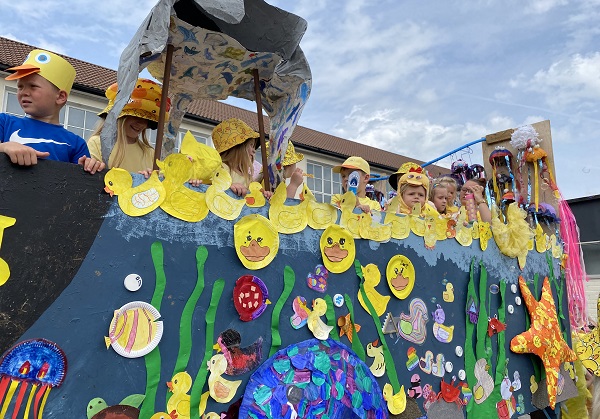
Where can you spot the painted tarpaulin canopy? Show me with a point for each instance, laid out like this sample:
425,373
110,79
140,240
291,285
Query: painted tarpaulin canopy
218,44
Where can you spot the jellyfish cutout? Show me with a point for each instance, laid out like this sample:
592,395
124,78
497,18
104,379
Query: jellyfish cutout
38,362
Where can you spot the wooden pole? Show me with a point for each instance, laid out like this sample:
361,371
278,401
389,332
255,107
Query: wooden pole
261,130
163,105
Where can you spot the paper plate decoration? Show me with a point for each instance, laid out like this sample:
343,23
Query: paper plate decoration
137,201
38,362
132,282
220,389
250,297
543,338
312,377
372,278
256,241
134,330
337,249
400,274
317,280
240,360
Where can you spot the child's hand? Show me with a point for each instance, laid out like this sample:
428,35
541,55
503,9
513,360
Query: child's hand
195,182
267,194
239,189
90,164
296,179
146,172
364,208
21,154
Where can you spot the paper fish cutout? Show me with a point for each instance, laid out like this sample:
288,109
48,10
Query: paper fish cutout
376,352
256,241
441,332
135,329
220,389
137,201
240,359
400,274
345,325
250,297
495,326
337,249
317,280
372,277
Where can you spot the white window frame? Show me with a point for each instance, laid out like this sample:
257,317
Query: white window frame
318,185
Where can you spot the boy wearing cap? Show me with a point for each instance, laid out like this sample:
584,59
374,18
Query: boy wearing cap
43,86
360,165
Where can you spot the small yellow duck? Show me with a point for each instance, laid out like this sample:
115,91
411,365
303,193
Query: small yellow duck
220,389
349,220
137,201
164,415
378,365
372,278
205,160
255,198
218,201
417,222
179,402
287,219
319,329
448,295
464,230
396,403
181,202
430,234
320,215
371,230
400,223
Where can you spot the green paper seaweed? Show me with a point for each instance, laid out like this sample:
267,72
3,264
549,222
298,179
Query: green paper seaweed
330,314
289,279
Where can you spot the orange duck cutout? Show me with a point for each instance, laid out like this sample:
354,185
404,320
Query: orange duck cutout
239,360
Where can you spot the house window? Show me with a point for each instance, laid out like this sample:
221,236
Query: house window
201,138
12,105
80,121
325,183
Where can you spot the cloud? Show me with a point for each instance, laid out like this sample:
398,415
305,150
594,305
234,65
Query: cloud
543,6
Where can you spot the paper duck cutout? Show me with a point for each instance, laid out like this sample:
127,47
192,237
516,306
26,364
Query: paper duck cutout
256,241
345,325
319,215
137,201
205,159
400,274
301,312
319,329
255,198
239,360
485,383
508,405
485,234
369,229
412,359
533,385
372,277
472,310
587,347
164,415
5,222
464,230
220,389
415,391
181,202
317,280
448,295
400,223
338,249
543,338
396,403
495,326
287,219
376,352
430,234
179,401
250,297
441,332
431,365
134,330
218,201
349,220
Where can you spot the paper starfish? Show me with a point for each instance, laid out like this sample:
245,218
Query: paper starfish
345,325
543,337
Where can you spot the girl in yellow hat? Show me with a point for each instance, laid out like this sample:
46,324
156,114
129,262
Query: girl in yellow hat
132,151
236,142
290,169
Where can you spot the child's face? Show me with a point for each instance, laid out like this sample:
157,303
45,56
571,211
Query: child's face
250,144
451,195
288,170
413,195
362,183
38,97
134,126
439,198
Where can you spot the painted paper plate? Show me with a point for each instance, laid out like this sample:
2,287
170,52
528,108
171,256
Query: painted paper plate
250,297
135,330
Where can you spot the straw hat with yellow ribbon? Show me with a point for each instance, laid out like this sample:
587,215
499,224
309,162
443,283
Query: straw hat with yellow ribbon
291,156
231,132
144,102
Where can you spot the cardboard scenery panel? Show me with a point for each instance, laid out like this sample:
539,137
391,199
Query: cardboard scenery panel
147,315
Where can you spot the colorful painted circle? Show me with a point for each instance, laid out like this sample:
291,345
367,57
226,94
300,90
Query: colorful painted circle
250,297
400,274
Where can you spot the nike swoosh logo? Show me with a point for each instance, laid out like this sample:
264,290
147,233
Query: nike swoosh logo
15,137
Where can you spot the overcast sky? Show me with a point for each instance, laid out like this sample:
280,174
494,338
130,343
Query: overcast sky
413,77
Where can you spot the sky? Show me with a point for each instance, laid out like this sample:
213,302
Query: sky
416,78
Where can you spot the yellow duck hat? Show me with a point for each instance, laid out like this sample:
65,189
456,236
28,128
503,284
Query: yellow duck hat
143,103
405,168
353,162
290,157
50,66
231,132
